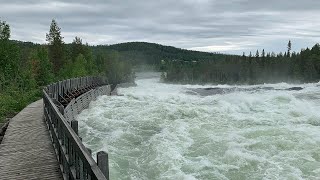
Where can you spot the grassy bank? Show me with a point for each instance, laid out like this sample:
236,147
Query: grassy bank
12,101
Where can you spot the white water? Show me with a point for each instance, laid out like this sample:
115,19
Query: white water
157,131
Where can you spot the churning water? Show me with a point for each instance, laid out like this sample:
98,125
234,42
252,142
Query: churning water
160,131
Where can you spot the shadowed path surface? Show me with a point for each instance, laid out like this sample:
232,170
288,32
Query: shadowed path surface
26,151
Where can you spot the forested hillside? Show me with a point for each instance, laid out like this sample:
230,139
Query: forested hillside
141,53
152,54
26,67
252,69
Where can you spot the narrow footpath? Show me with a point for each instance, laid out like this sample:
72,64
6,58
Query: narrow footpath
26,151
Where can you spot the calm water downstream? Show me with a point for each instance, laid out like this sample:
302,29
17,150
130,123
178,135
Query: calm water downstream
165,131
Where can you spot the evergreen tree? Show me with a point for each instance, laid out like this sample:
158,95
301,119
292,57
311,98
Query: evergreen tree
76,48
9,59
56,46
263,54
91,66
79,67
289,49
4,30
42,67
26,80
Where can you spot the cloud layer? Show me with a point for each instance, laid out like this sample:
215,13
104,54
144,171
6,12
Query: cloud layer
231,26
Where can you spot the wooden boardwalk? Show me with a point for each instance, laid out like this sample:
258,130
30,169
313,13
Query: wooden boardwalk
26,151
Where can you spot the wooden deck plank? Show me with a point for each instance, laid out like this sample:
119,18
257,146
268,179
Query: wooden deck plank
26,151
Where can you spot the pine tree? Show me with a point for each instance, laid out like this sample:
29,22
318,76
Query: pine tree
9,59
4,30
289,49
263,54
257,54
76,48
79,67
56,46
41,66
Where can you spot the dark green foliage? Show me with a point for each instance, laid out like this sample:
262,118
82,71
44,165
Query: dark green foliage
26,67
56,46
4,31
289,49
9,63
115,69
79,67
76,48
270,68
141,53
41,66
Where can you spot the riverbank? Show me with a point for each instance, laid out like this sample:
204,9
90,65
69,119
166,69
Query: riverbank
11,103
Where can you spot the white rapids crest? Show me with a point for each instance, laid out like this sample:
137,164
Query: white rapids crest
158,131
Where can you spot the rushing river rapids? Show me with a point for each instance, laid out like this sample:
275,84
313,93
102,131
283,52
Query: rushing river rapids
165,131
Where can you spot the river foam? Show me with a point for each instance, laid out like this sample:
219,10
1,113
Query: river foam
158,131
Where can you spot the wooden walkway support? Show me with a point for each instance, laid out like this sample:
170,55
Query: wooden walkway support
26,151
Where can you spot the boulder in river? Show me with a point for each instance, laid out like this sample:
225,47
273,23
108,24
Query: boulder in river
295,89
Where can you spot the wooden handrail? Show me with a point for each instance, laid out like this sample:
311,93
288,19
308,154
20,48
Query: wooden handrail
74,158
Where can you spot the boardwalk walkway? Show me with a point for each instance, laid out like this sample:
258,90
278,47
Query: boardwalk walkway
26,151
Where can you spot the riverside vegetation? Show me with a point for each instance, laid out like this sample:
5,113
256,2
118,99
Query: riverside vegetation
26,67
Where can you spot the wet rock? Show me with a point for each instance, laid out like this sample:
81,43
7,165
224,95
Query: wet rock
114,92
210,91
295,89
267,88
191,93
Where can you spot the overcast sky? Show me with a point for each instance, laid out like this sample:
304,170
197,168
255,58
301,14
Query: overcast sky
230,26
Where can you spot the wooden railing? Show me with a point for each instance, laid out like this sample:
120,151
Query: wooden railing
82,102
74,158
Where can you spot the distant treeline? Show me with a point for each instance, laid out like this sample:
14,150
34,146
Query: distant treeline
260,68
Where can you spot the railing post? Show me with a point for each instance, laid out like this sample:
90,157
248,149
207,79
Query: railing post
103,163
90,151
61,109
77,165
74,126
82,172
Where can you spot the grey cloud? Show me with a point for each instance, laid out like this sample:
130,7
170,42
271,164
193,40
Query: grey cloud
211,25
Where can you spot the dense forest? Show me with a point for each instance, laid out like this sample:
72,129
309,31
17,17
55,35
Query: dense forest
252,69
26,67
143,53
